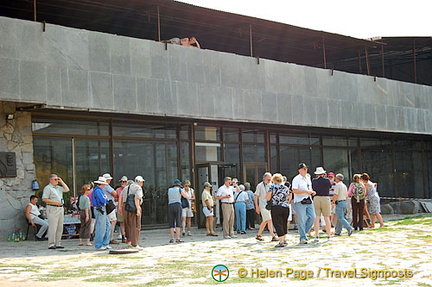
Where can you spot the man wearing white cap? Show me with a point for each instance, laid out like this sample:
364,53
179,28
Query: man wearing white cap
322,203
112,216
133,221
102,225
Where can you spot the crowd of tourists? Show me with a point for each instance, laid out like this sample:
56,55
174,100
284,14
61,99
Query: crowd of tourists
312,204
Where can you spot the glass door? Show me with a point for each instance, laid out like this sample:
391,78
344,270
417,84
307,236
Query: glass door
253,172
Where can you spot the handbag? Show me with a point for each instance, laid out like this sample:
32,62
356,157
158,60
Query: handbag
184,201
307,200
130,202
110,206
269,204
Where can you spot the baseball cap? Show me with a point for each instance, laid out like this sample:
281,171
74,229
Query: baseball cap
207,184
340,176
139,178
302,165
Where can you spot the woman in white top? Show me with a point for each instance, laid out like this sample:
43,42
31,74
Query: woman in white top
32,214
187,212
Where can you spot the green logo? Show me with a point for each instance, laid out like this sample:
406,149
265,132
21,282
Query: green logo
220,273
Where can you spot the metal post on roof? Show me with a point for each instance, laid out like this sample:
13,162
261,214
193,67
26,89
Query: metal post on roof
324,54
250,40
367,61
415,62
34,10
359,62
159,24
382,60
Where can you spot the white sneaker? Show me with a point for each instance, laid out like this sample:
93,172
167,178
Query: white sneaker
139,247
107,247
233,236
101,248
189,233
227,237
119,237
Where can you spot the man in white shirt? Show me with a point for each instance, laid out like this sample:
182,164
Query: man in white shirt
340,199
225,194
305,211
260,206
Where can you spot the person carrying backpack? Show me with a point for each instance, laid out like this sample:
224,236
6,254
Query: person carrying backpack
357,191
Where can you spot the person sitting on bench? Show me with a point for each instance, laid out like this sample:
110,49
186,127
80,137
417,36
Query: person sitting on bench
34,217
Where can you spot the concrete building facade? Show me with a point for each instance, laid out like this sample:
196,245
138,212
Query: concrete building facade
194,112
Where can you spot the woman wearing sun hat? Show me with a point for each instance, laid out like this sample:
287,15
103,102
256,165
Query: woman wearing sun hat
175,209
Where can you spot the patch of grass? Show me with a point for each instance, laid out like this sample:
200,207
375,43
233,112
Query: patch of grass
159,282
121,277
423,284
57,275
125,257
415,220
27,268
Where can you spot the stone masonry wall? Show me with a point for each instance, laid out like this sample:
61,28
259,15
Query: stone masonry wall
15,136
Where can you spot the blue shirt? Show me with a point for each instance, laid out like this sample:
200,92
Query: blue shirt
107,189
99,198
321,186
250,204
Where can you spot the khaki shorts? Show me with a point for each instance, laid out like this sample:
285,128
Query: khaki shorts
266,215
322,205
113,215
120,217
187,212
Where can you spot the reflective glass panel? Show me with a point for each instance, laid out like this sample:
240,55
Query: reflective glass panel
70,127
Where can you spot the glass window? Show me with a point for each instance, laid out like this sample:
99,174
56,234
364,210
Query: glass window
290,157
253,136
315,140
184,132
207,152
92,159
274,159
377,162
334,141
70,127
53,155
231,135
232,154
157,163
185,161
409,168
254,153
294,139
205,133
352,142
134,130
273,138
337,161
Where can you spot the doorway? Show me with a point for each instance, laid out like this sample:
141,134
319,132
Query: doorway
215,174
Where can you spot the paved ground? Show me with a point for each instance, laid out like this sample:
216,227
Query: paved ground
402,249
